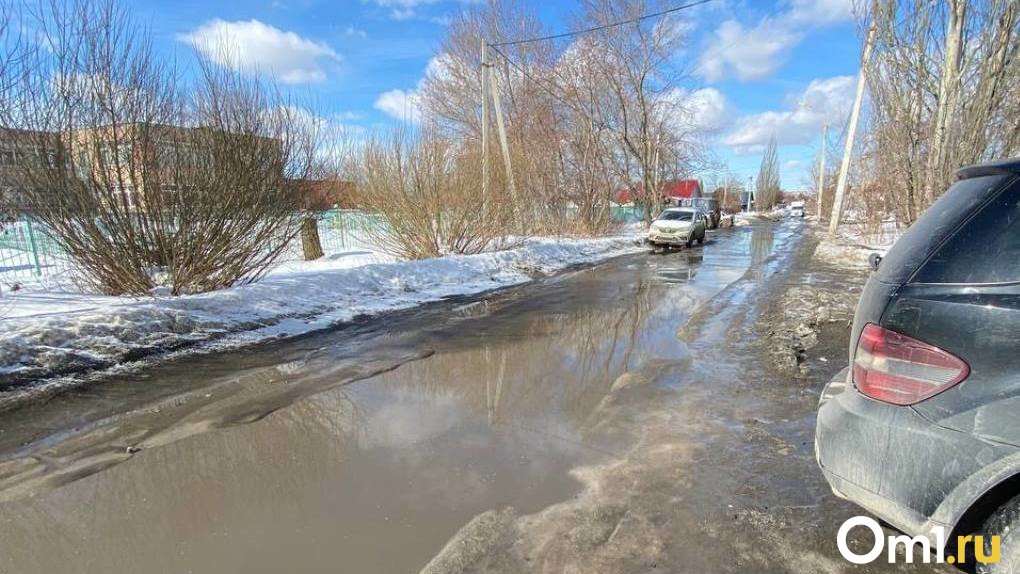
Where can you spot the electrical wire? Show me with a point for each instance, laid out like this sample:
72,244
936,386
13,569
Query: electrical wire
602,27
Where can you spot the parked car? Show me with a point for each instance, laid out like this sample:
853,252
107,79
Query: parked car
710,206
923,428
677,226
797,209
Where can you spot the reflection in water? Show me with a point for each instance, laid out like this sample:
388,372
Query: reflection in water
763,239
490,404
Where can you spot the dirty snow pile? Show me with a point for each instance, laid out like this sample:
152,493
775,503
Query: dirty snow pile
856,241
45,332
748,217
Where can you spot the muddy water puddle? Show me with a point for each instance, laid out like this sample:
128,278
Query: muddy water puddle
358,450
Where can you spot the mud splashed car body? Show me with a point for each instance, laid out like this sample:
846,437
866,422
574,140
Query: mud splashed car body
922,429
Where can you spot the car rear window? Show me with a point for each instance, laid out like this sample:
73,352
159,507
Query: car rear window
985,250
938,222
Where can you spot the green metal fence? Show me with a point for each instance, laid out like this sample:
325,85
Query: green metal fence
626,213
27,250
344,229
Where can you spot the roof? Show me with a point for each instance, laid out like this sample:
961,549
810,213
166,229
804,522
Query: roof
1002,166
675,189
682,189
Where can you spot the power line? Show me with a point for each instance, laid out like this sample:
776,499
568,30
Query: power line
526,74
602,27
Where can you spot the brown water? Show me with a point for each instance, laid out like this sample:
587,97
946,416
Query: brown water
358,450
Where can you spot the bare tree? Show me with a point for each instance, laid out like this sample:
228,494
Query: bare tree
767,185
142,178
635,63
941,94
425,187
451,99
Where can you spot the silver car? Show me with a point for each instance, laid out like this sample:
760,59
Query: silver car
677,226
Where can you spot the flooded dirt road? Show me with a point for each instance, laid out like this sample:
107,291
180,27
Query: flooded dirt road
615,419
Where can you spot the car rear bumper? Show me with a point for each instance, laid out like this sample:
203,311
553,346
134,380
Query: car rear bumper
852,447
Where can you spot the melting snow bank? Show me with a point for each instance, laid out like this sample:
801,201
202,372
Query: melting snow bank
855,242
36,343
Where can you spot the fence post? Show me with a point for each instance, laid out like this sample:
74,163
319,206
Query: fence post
32,245
341,228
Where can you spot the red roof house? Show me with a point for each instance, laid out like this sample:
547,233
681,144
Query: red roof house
673,189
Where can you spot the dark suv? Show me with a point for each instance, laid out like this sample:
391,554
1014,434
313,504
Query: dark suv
923,428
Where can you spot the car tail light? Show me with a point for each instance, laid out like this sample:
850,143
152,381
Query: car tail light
901,370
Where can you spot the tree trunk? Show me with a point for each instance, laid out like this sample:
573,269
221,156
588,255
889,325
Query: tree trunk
311,246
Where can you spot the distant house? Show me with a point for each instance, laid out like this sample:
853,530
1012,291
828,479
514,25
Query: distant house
322,194
21,148
133,157
673,191
680,189
128,157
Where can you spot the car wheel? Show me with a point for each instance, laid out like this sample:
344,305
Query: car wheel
690,240
1005,524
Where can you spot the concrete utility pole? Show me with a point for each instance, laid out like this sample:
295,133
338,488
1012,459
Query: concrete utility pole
948,94
504,145
821,170
485,123
855,114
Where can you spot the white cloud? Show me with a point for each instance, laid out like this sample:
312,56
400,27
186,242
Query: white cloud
750,53
404,4
405,105
753,53
820,12
402,13
824,100
352,31
701,110
709,109
406,9
252,46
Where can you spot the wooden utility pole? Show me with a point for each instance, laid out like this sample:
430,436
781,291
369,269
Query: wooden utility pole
821,170
855,114
485,123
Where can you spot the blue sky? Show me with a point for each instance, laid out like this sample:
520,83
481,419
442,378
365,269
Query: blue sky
780,67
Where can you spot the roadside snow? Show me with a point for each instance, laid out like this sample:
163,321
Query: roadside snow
855,242
47,331
748,217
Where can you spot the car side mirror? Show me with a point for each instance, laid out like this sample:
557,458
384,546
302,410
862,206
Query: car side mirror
874,260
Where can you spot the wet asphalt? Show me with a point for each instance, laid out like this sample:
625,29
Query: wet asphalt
620,418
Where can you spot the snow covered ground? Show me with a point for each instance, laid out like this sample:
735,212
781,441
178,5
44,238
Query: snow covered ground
855,242
47,328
